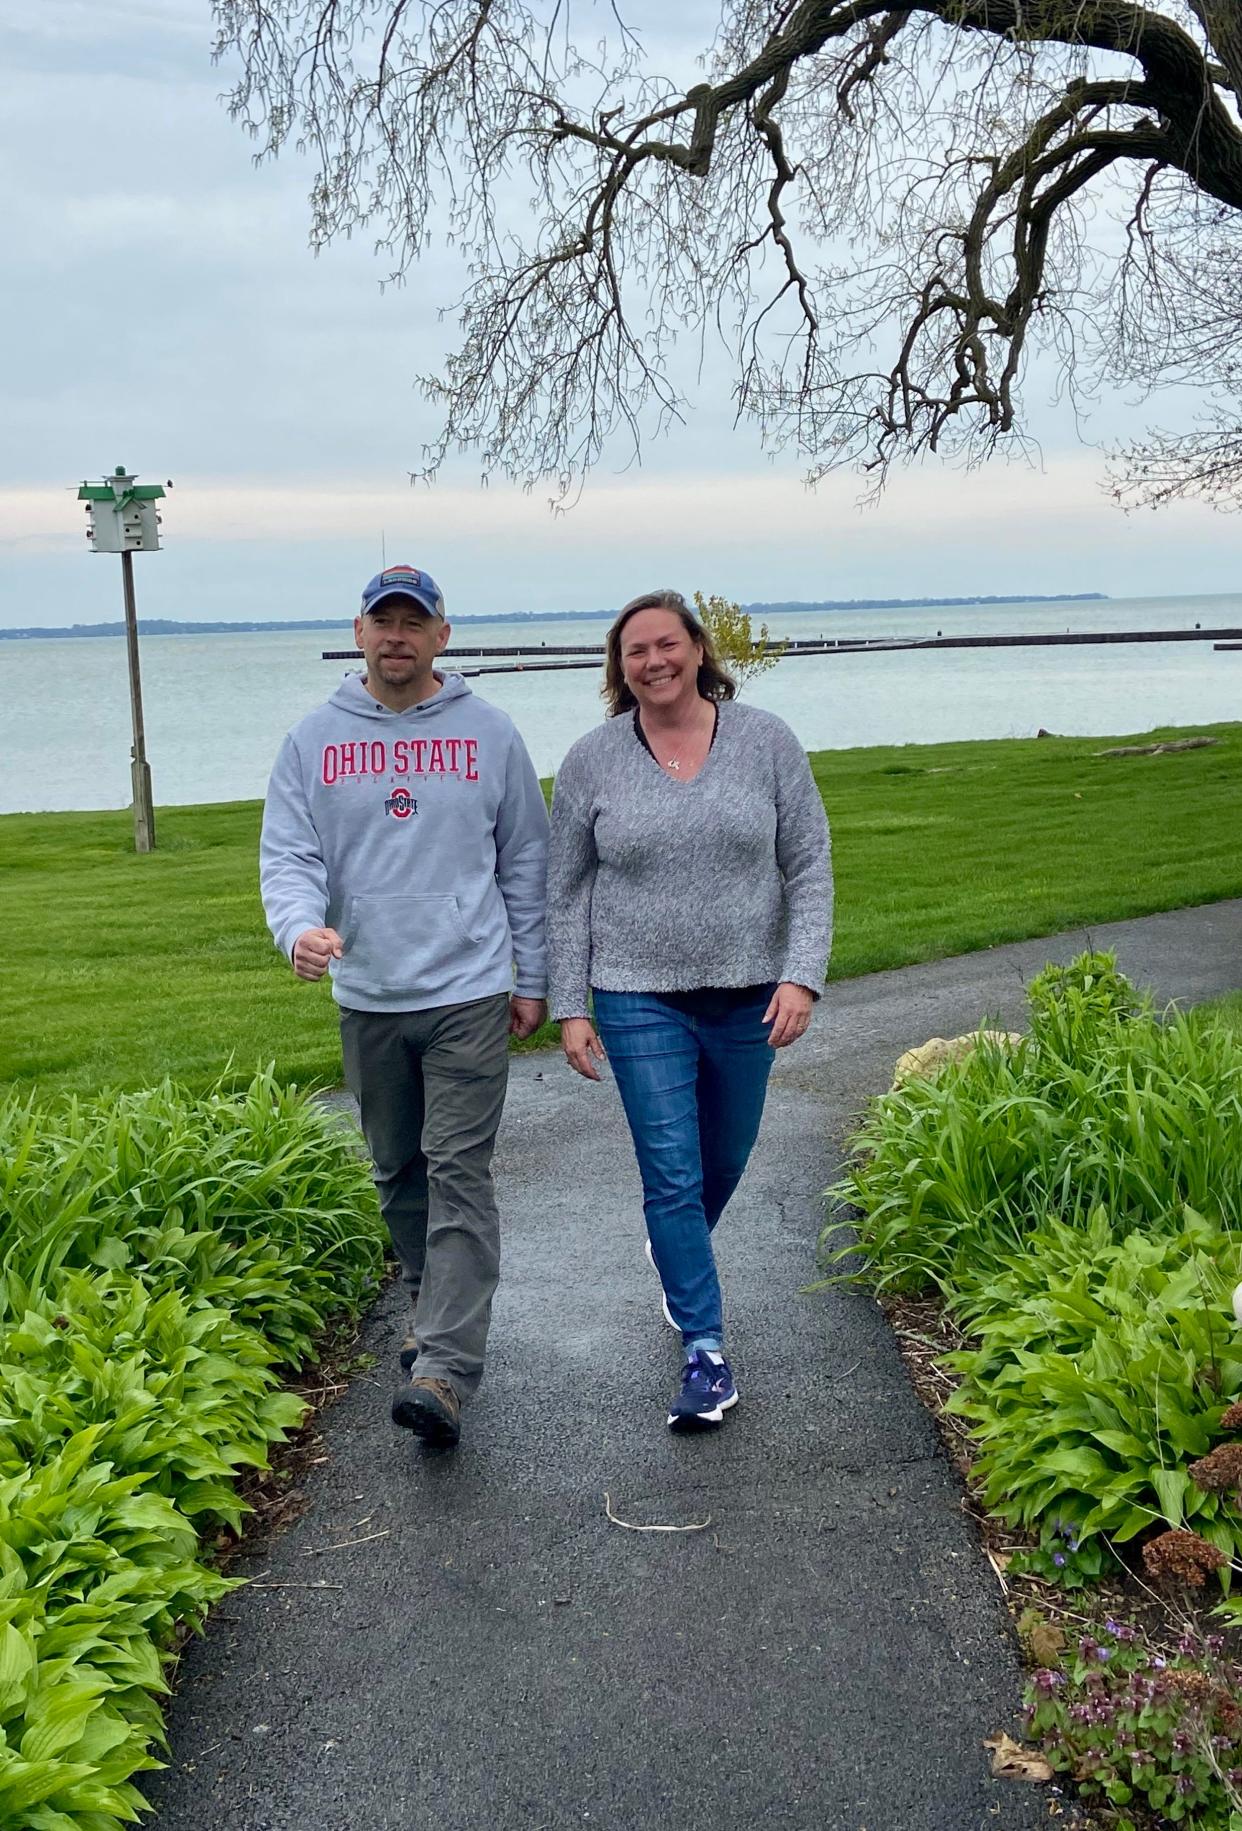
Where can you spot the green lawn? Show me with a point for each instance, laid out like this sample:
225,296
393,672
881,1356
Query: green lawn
118,970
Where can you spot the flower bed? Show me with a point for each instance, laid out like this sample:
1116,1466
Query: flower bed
165,1260
1075,1202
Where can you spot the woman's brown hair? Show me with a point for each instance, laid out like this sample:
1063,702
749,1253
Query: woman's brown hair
715,681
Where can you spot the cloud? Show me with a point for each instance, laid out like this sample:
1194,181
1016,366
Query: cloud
930,503
152,40
299,546
167,311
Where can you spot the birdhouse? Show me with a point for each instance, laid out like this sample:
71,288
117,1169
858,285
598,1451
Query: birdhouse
121,516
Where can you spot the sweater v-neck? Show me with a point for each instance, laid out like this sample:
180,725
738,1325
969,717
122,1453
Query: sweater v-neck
680,781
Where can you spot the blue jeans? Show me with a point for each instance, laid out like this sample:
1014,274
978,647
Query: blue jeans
693,1086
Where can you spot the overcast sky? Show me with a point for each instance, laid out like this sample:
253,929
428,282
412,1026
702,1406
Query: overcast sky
163,310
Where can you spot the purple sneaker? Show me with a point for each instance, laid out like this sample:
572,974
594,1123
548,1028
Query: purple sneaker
707,1393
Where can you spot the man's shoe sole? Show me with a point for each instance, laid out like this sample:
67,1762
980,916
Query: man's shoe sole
419,1413
684,1422
407,1358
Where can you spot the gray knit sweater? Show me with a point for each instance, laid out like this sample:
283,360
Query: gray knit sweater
656,885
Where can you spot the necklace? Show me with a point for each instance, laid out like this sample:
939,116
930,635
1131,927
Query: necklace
673,762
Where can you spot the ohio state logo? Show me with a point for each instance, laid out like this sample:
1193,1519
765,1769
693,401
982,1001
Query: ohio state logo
400,804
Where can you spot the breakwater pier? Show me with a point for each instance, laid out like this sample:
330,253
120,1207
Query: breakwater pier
547,657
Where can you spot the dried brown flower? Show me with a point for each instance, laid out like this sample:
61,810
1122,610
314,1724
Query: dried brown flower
1220,1471
1182,1557
1232,1419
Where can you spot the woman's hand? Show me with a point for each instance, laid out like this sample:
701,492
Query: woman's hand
582,1047
789,1014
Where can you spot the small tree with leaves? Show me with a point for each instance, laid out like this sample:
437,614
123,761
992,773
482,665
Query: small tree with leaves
745,652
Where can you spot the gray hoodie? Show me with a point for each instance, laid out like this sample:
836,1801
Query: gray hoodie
421,837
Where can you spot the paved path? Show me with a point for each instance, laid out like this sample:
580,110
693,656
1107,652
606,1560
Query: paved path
827,1656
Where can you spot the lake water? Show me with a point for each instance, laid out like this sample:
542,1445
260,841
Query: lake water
217,706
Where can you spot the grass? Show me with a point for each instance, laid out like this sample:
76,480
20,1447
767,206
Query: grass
118,970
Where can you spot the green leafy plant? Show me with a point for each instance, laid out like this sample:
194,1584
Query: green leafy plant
1061,1556
1136,1728
1100,1370
1077,1202
1071,1005
1104,1108
162,1259
745,652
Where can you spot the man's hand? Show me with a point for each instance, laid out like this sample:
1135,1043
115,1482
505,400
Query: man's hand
582,1047
313,949
525,1016
789,1014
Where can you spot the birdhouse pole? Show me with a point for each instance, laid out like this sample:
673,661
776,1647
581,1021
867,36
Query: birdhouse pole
139,768
121,517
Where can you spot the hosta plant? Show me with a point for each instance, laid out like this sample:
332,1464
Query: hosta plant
1100,1371
163,1260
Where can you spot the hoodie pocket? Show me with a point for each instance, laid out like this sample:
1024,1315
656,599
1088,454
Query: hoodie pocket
399,944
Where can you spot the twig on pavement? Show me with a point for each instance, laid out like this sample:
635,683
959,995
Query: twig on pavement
699,1526
317,1551
319,1585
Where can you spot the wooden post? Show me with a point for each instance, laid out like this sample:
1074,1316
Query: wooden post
140,771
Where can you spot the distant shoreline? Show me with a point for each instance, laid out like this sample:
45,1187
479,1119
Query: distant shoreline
163,626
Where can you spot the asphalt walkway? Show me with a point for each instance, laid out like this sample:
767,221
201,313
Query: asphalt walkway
827,1655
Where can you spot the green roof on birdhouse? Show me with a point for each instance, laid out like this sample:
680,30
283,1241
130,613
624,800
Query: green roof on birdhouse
104,492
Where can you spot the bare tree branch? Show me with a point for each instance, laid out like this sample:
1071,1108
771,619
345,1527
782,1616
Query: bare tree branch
881,209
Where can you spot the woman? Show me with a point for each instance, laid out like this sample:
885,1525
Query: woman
689,892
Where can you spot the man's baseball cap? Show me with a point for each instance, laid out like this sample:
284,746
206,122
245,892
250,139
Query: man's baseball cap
404,582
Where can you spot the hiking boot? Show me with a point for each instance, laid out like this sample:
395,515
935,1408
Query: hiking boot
668,1314
431,1409
707,1393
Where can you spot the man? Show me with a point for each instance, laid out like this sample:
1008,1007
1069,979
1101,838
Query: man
404,852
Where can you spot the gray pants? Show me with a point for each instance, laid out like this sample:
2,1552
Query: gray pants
430,1087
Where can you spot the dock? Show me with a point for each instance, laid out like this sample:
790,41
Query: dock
533,658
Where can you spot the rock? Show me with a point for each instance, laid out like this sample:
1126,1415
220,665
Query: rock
930,1057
